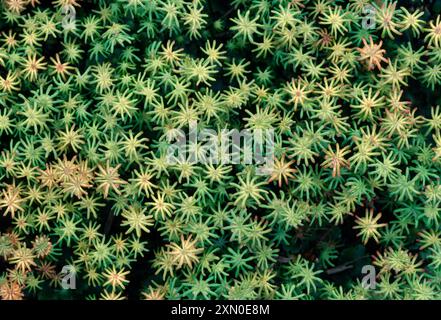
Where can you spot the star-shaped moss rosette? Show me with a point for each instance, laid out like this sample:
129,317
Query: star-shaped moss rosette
93,94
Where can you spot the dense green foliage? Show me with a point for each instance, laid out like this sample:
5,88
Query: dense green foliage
90,102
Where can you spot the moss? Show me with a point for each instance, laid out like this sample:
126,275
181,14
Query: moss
94,95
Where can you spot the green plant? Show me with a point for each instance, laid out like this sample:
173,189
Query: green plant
90,105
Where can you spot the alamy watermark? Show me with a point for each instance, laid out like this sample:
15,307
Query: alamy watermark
69,14
68,277
227,146
369,281
368,21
